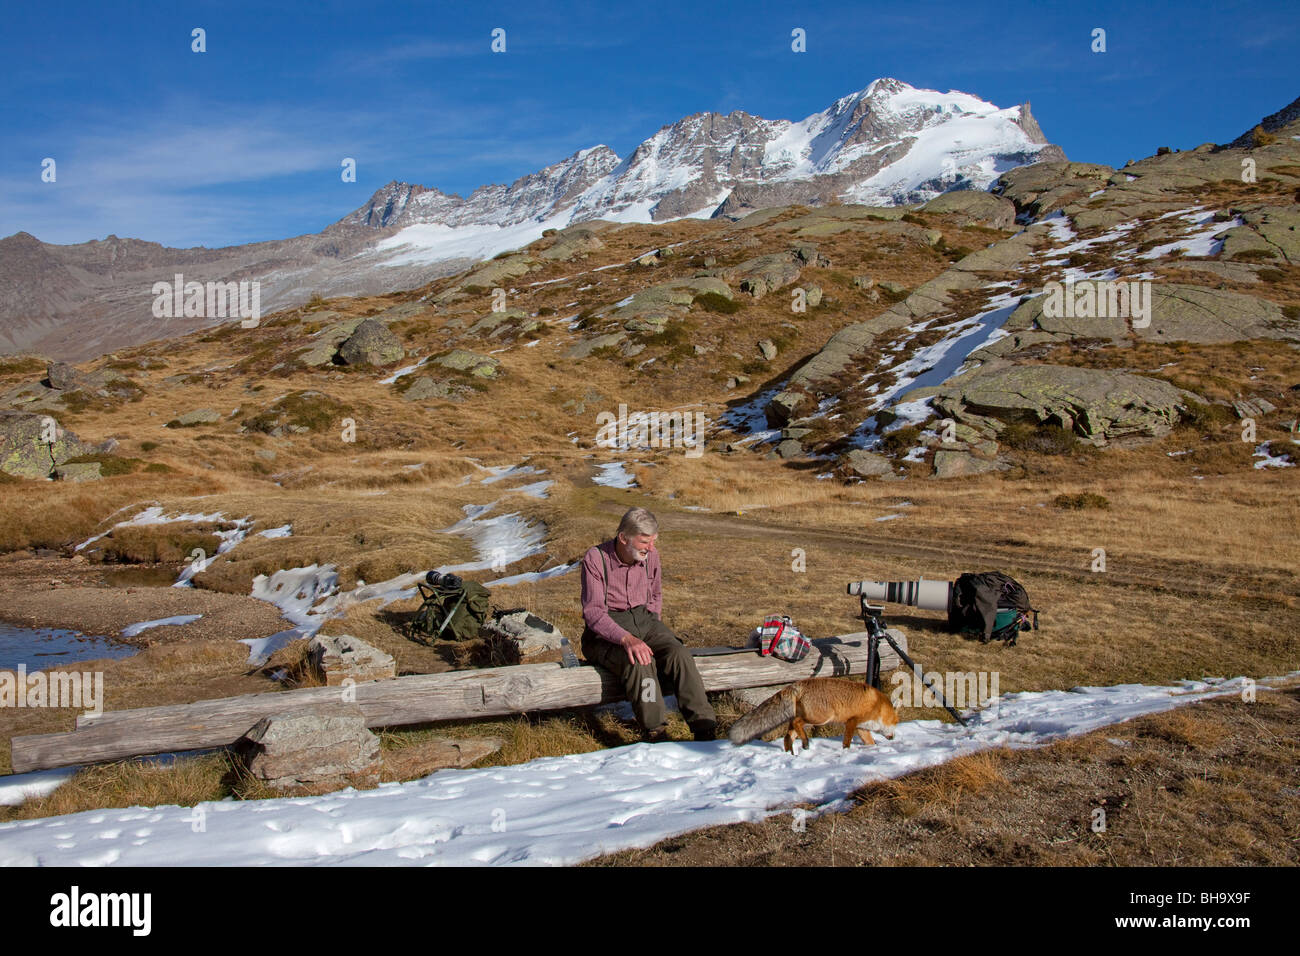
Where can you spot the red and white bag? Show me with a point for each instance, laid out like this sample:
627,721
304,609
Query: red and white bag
779,638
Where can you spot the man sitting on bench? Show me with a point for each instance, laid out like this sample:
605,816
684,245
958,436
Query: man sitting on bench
622,597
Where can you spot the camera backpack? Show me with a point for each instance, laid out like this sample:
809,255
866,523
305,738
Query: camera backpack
990,605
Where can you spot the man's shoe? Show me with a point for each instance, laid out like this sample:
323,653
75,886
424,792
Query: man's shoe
658,735
705,729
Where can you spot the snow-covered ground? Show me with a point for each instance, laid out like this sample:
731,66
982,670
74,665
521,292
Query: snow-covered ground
561,810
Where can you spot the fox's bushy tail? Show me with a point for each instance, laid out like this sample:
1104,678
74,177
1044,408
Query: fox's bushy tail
773,712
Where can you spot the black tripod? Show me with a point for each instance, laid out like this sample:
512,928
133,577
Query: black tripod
873,615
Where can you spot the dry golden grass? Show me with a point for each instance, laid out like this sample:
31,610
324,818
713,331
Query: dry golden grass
1200,573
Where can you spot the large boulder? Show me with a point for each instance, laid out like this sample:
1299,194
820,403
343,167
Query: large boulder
1097,404
327,342
371,344
312,751
342,657
533,634
25,453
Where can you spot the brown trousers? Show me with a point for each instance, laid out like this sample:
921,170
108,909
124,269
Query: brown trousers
672,672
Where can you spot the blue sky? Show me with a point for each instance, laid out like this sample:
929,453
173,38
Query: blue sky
243,142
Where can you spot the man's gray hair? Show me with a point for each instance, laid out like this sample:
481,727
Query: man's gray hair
638,521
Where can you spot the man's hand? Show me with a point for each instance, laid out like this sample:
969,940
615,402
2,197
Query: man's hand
638,651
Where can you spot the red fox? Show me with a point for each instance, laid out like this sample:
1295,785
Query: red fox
817,701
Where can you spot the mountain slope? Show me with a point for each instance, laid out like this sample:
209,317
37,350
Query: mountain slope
886,144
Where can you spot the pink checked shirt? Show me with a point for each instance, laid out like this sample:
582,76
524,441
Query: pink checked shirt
625,586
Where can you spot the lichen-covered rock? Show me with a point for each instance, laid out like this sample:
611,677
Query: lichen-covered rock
425,388
24,451
463,360
78,471
371,344
1097,404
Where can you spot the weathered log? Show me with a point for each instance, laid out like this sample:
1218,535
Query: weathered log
418,699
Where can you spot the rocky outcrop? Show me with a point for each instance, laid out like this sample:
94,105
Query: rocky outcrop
1043,187
975,207
1098,405
1179,313
764,274
929,299
371,344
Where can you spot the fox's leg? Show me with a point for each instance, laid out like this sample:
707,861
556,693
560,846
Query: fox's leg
866,736
789,737
850,725
803,734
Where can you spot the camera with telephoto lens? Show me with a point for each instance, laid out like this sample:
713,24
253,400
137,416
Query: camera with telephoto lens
437,579
927,595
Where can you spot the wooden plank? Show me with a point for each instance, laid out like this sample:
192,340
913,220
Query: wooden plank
421,698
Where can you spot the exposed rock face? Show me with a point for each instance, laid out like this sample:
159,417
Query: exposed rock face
533,634
980,208
1038,189
24,453
949,463
867,147
1097,404
1179,313
1286,116
342,657
371,344
313,751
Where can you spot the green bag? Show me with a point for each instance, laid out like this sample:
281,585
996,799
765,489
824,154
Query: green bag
452,613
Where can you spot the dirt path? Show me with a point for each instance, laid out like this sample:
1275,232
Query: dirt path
1184,577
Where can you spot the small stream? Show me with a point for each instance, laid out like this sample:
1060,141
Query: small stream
41,647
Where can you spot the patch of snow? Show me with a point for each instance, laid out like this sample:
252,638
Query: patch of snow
404,371
133,629
284,531
1269,459
614,475
563,810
